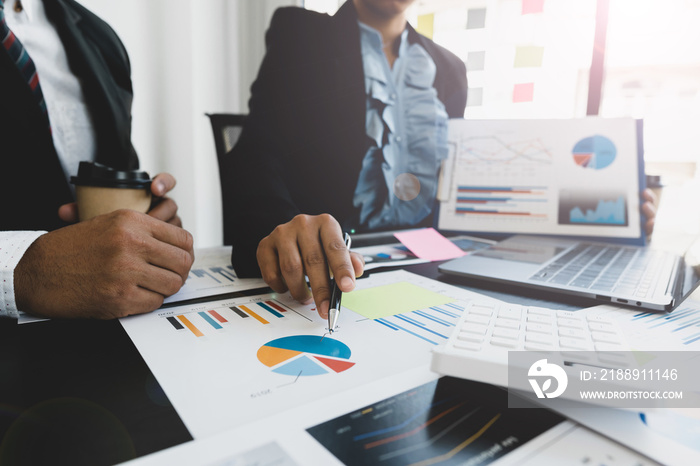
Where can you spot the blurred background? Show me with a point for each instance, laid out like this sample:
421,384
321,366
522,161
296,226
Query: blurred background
525,59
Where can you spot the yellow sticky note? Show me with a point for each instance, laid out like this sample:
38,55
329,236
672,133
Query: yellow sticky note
528,57
426,24
392,299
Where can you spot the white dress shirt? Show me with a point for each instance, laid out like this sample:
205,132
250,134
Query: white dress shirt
71,126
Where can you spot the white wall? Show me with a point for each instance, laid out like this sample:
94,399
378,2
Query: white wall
188,58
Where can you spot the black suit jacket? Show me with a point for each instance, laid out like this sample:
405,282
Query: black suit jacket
303,143
32,182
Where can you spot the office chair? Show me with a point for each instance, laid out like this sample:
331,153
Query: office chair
227,128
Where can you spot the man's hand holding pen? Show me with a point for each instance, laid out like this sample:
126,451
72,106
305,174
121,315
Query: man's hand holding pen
309,245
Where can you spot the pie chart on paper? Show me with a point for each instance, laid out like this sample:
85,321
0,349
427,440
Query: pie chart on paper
594,152
305,355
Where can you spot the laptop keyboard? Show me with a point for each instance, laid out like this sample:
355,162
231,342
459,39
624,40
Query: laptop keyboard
602,268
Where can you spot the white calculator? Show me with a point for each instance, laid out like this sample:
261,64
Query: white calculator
478,347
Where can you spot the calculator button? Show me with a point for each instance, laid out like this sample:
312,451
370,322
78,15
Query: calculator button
477,319
470,337
596,318
466,345
506,333
481,310
539,328
513,314
540,319
601,337
573,343
504,342
539,338
476,329
507,323
531,346
573,333
570,323
601,327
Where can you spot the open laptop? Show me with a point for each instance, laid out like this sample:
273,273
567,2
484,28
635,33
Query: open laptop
608,272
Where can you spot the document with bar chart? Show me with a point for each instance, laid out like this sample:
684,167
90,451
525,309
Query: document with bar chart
673,331
576,177
232,361
212,275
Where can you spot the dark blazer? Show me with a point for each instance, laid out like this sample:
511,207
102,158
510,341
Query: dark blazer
303,143
32,182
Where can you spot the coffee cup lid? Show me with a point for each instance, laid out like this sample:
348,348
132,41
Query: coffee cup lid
96,174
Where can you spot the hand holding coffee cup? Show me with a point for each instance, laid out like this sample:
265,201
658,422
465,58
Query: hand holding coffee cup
101,189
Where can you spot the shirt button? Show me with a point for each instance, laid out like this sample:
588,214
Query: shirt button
398,138
393,96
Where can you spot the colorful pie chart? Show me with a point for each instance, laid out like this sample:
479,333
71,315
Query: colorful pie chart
305,355
595,152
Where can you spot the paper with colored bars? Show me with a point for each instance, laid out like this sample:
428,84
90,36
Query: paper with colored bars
212,275
228,362
672,331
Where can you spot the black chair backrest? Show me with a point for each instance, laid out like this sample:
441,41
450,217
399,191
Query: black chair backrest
227,128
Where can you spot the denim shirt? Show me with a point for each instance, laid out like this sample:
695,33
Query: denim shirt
397,185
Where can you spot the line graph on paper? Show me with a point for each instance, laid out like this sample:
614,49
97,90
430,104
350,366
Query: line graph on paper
483,152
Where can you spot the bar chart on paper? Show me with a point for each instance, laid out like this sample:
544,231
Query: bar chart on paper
409,309
212,275
678,330
683,324
521,201
198,323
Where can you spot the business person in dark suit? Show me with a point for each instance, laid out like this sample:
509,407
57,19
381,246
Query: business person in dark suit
346,131
66,96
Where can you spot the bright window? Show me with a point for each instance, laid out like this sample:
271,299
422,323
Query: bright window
532,59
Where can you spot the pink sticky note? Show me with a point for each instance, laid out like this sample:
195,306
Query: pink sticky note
532,6
523,92
428,244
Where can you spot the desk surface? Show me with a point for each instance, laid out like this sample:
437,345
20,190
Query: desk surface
82,388
85,391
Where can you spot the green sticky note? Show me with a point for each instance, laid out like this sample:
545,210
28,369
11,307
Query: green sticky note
389,300
643,358
528,57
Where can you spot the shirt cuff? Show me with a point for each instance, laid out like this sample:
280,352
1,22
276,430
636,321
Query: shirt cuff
13,245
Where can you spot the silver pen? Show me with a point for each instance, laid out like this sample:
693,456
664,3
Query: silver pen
336,295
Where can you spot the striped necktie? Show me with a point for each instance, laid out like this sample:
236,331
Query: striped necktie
21,58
